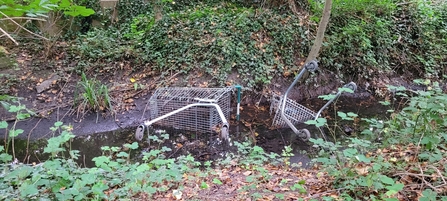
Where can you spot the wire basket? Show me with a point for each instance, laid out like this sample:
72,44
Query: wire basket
294,111
201,119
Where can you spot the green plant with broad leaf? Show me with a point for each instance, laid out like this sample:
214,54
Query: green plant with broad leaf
334,127
415,133
13,105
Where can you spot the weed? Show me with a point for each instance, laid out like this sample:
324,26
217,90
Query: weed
13,105
416,133
92,96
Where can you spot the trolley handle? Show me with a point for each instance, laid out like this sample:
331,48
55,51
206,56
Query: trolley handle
311,67
350,85
206,100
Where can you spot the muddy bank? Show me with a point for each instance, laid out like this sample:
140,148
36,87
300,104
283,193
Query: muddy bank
255,108
91,123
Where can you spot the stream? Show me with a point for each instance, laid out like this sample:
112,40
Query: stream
254,125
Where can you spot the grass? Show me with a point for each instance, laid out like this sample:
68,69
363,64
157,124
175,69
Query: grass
94,96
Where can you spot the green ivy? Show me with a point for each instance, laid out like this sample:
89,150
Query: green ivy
224,39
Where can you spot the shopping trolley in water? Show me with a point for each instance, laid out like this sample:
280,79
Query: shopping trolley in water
201,110
290,113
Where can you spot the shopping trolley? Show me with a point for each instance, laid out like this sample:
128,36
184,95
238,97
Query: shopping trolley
201,110
289,113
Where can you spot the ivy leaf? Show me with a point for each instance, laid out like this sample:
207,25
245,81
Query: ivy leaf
22,116
58,123
134,145
349,153
428,195
122,154
363,158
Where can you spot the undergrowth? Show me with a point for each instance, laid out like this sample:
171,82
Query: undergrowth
399,158
402,157
365,39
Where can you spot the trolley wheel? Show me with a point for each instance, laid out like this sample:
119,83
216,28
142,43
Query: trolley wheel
351,86
311,66
304,134
224,133
139,133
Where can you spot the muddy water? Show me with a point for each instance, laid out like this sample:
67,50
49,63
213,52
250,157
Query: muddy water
89,147
253,126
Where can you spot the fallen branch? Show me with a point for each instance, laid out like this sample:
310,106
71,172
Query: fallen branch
23,18
439,172
7,35
20,26
422,178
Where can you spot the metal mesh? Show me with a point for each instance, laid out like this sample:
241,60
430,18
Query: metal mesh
199,119
295,112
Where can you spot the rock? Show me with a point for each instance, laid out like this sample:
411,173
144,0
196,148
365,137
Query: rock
46,84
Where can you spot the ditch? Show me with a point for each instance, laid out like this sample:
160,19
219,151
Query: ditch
253,126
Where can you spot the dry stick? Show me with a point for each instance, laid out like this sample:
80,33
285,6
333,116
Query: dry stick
14,22
9,36
23,18
83,159
27,143
439,172
411,174
324,193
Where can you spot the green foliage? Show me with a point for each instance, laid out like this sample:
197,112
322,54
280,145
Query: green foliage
422,120
92,95
219,40
254,157
334,126
410,139
99,47
39,8
12,105
129,9
356,173
374,36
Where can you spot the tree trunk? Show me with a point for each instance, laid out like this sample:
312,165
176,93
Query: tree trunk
158,9
320,32
292,7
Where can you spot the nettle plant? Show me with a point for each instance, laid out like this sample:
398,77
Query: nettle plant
12,105
409,140
357,173
422,121
335,127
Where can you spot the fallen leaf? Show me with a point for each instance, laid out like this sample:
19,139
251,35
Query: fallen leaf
247,173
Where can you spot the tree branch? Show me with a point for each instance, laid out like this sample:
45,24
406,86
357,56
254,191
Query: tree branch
14,22
7,35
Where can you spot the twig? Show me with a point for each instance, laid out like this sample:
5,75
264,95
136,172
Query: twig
23,18
439,172
7,35
27,144
421,177
324,193
411,174
14,22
